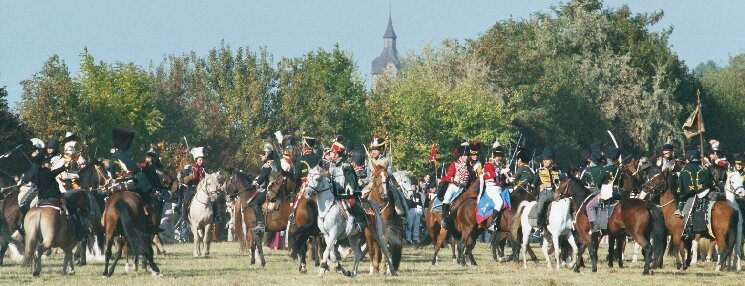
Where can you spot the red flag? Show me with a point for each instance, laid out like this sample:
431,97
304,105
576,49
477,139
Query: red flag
433,154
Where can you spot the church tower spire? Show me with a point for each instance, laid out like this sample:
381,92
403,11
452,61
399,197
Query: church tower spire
387,62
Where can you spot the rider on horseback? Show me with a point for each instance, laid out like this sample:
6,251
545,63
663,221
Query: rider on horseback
378,155
548,178
308,159
667,161
740,164
344,182
717,164
127,174
495,178
594,177
269,171
27,190
473,159
71,152
457,178
694,179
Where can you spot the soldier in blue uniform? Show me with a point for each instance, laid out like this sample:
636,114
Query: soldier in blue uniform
269,171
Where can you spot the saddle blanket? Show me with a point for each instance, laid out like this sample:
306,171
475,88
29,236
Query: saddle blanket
698,214
436,205
604,213
484,209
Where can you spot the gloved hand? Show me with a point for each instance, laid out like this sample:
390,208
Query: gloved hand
188,179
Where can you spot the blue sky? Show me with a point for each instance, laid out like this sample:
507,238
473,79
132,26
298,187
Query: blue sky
144,31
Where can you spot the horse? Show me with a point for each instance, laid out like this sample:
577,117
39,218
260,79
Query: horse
125,214
47,227
302,230
559,223
462,224
634,217
10,220
201,213
733,189
378,192
239,187
433,223
335,225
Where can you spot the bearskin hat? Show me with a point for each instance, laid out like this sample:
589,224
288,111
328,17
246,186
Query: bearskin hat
523,154
739,158
547,154
693,155
474,147
122,138
596,149
461,149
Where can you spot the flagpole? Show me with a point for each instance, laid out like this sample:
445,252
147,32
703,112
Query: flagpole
700,122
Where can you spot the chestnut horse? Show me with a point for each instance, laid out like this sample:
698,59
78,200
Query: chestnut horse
642,221
433,222
462,225
379,193
125,215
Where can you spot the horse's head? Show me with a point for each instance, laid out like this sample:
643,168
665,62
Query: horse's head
379,178
655,181
237,183
211,185
734,184
317,182
570,187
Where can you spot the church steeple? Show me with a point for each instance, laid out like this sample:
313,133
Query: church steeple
387,61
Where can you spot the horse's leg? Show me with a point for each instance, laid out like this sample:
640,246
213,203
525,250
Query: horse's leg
37,260
330,244
593,251
197,240
438,241
523,246
621,245
207,239
260,247
544,248
573,244
354,243
694,251
611,250
116,257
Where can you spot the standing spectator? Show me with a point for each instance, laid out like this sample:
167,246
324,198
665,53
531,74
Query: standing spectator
414,215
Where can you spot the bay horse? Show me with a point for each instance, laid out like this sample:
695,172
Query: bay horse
10,220
378,192
201,213
335,225
47,227
462,224
642,221
303,235
124,218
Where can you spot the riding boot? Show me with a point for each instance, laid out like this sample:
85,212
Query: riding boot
260,220
445,212
495,220
679,210
215,210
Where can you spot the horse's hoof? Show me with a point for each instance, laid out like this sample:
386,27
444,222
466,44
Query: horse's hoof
576,270
36,273
394,273
646,272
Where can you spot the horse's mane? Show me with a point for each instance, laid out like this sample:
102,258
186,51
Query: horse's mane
579,192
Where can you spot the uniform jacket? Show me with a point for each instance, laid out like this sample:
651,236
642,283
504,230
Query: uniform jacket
693,179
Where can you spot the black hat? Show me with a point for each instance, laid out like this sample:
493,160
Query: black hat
53,143
547,154
668,146
461,150
693,155
497,149
151,153
523,155
739,158
596,150
614,153
122,138
358,156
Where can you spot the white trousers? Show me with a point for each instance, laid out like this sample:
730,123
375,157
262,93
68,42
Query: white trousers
495,194
450,194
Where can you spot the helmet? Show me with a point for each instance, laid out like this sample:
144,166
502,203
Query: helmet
37,143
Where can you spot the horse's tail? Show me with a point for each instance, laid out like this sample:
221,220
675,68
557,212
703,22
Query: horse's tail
395,243
659,233
516,224
94,219
135,241
238,225
299,238
32,236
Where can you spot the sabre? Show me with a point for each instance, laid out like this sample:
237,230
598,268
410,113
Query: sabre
187,142
614,142
517,146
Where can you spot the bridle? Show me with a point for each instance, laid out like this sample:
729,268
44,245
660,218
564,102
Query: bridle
315,176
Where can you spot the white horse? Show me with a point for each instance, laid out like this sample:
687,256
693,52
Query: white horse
200,212
526,230
335,226
559,223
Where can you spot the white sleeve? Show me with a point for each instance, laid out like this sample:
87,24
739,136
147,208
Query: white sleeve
285,165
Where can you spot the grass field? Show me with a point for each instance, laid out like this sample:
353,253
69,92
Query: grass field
226,266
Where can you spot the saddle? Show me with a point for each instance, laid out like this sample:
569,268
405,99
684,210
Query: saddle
604,213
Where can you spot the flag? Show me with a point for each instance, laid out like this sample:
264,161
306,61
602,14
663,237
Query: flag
433,153
694,125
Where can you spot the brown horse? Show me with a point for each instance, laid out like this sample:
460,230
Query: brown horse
47,227
642,221
93,180
302,232
125,215
462,225
10,220
723,222
240,189
379,193
433,221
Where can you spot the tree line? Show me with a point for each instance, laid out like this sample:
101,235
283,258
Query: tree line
561,77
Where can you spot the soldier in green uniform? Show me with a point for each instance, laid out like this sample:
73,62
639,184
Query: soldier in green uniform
740,164
307,160
524,175
548,178
614,171
594,177
694,179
